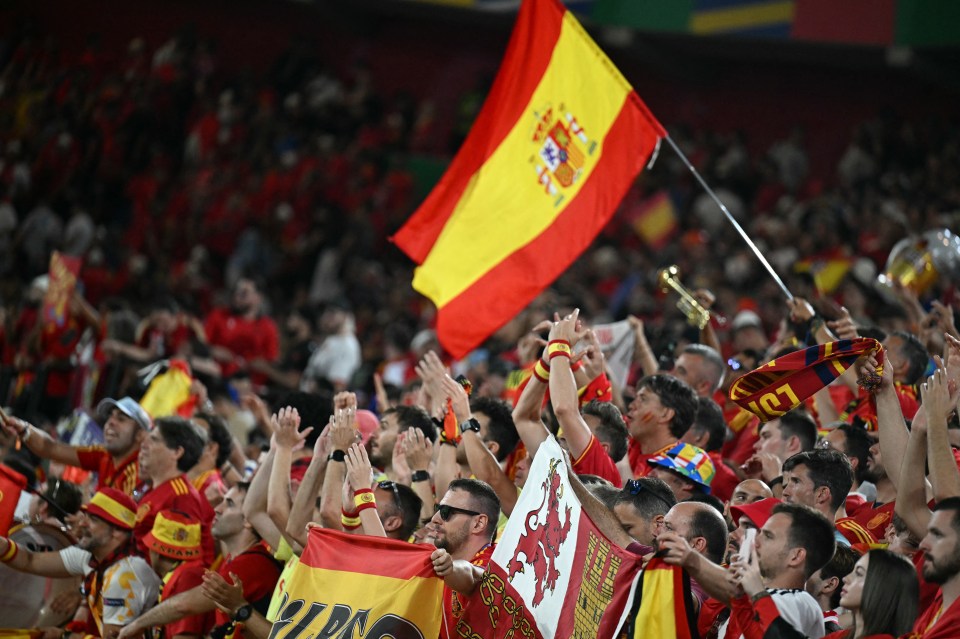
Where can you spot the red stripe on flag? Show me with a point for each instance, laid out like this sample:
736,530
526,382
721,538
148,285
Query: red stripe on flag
525,62
333,550
506,289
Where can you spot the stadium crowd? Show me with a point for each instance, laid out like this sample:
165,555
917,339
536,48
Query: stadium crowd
240,226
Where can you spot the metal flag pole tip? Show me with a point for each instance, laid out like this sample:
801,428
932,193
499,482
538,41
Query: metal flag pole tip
730,218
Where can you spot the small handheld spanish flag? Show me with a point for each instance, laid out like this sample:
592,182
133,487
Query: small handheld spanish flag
784,383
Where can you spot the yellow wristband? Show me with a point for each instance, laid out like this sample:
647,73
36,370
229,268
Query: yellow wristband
365,498
541,372
555,349
12,549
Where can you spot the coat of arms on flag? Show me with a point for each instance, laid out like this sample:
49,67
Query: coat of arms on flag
564,148
553,574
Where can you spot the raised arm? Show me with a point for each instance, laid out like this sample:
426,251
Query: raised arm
359,474
563,389
938,404
46,564
39,442
289,438
890,423
911,503
642,352
305,501
343,434
483,463
255,503
526,413
418,451
602,517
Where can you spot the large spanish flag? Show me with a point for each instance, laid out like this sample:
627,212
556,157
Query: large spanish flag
559,140
353,585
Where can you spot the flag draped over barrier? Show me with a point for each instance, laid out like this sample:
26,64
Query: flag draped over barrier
558,142
783,384
553,573
354,585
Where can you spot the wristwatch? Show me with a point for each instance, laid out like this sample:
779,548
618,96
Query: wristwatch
420,475
337,455
243,613
470,424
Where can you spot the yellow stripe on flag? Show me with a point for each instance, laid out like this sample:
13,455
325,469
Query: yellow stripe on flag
657,616
511,211
748,16
384,606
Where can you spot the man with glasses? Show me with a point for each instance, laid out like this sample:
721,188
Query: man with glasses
118,585
462,529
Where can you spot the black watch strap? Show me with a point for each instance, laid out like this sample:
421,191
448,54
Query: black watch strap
243,613
471,424
337,455
420,475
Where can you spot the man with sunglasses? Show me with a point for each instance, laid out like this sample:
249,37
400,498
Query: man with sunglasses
462,529
640,507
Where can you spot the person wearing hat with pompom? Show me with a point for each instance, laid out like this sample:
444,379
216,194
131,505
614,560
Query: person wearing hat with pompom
174,547
119,586
125,423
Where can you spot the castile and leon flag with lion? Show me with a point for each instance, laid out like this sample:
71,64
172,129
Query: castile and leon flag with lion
553,573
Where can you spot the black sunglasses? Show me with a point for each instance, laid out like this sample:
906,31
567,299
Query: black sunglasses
635,487
392,486
446,512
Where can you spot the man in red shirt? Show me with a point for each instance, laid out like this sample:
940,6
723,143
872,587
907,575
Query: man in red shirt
247,562
174,546
167,452
125,424
242,332
462,530
661,413
941,548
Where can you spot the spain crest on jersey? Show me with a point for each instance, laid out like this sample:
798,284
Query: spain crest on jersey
563,149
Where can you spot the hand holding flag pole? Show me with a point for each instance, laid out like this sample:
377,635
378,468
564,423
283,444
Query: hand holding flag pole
730,218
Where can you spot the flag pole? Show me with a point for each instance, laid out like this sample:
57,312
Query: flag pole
731,219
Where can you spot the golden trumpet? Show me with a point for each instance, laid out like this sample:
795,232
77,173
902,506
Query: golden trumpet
669,278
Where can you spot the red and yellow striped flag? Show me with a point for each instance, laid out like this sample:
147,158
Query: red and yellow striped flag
559,140
337,589
664,603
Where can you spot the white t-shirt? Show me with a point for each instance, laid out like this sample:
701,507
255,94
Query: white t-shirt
130,587
337,359
798,608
